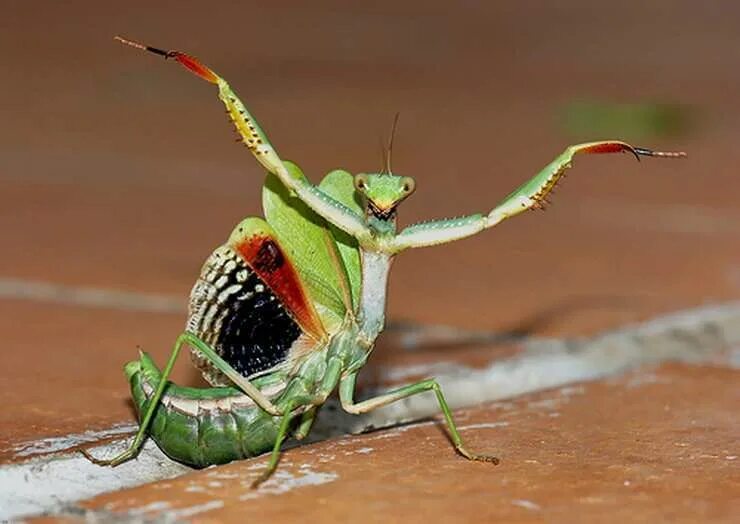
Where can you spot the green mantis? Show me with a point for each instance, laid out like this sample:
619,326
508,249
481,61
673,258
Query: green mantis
289,308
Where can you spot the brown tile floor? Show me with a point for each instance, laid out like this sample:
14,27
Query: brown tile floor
588,453
117,171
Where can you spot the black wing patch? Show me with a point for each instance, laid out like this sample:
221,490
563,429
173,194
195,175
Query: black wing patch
236,313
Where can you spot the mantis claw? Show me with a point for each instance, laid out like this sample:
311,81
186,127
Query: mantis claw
96,461
662,154
477,458
615,146
259,480
115,461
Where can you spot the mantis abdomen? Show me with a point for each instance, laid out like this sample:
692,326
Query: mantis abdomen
201,426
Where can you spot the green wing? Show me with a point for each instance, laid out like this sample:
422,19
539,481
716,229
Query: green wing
339,185
303,233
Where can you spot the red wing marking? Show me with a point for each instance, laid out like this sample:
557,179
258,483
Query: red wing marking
267,259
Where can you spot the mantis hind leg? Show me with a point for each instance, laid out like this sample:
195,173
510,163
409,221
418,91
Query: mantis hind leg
185,338
346,394
152,405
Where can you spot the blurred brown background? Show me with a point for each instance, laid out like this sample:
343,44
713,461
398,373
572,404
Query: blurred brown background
118,170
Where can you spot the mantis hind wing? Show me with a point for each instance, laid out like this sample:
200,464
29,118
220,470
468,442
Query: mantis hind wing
303,234
251,307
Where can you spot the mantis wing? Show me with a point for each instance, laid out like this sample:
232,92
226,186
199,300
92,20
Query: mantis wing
251,307
303,234
339,185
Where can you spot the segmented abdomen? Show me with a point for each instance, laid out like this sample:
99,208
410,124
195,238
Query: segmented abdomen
200,427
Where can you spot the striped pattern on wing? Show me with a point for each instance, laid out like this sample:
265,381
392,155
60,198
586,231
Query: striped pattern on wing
250,307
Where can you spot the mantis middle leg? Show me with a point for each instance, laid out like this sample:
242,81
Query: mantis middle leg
346,396
307,419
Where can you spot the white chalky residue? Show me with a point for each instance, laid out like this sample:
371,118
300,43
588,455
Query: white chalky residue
547,403
218,474
644,379
154,506
505,406
484,425
572,390
283,481
57,444
733,359
47,483
181,513
361,451
526,504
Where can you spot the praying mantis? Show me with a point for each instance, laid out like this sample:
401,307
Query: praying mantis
288,309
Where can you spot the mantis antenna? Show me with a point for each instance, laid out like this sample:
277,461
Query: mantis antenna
389,150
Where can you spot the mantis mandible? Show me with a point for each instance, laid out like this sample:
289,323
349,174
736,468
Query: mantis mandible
289,308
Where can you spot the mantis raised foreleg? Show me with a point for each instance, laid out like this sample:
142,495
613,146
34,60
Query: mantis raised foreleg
254,138
530,195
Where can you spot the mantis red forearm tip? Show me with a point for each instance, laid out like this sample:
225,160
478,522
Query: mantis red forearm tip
615,146
187,61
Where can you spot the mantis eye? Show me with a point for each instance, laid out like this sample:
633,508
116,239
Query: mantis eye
409,184
360,183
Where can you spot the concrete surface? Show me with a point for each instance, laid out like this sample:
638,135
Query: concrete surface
595,452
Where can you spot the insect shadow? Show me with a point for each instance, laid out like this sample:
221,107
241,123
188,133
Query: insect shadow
417,337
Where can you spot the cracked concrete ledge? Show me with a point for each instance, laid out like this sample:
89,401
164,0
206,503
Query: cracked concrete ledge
57,477
691,336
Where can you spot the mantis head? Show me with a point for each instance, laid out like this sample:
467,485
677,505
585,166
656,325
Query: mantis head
383,193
